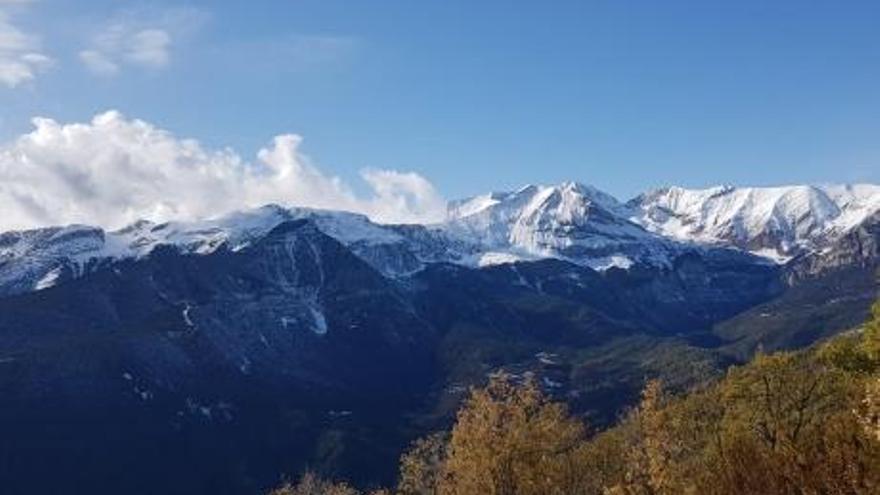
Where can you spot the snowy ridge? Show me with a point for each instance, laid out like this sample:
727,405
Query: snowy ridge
776,222
237,230
569,221
38,259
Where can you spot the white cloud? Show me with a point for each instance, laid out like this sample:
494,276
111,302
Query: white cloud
20,57
139,38
406,196
149,48
113,171
98,63
118,45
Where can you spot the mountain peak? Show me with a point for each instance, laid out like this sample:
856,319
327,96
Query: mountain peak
569,220
566,194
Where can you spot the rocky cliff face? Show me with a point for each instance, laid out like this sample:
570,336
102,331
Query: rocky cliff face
859,247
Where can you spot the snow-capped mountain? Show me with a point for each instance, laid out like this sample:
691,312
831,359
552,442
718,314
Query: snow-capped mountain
570,221
273,318
777,222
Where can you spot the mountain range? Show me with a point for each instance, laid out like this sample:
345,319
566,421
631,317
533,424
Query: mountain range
220,354
569,222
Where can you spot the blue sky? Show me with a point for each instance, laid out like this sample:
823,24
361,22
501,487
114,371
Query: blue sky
477,96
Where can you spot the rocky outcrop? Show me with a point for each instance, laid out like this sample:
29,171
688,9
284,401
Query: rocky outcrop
859,248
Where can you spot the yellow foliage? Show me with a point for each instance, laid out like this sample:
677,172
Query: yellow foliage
509,439
311,484
872,333
869,410
421,468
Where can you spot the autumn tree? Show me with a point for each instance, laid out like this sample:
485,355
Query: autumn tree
422,466
510,439
780,398
868,411
789,427
859,352
668,441
311,484
872,333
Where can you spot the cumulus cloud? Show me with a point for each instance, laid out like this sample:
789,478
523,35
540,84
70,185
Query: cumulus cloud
113,171
20,57
141,38
406,196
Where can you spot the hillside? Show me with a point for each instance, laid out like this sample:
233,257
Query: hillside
788,422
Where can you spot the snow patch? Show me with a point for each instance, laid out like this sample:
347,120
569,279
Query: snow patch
186,316
492,258
320,322
48,280
608,262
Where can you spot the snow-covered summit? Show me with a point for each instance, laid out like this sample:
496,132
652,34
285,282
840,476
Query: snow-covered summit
568,196
778,222
570,220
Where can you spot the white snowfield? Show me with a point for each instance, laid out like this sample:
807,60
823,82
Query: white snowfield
569,221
